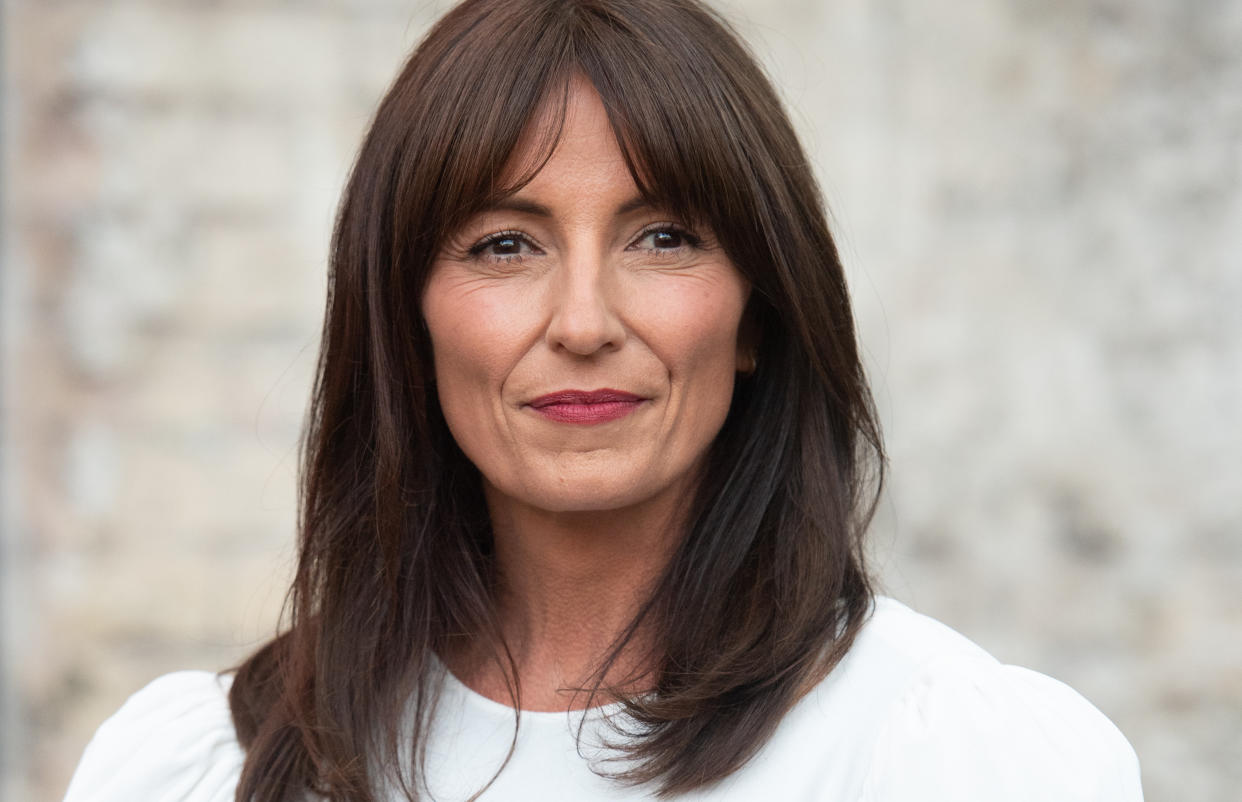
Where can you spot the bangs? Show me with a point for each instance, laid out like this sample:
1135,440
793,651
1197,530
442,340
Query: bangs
671,103
673,108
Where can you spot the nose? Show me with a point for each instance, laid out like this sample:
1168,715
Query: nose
584,317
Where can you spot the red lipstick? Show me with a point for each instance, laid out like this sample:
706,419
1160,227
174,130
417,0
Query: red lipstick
586,406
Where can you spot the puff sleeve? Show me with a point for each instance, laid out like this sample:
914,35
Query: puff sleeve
173,740
969,731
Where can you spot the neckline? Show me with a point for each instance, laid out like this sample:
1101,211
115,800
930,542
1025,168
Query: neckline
544,717
494,709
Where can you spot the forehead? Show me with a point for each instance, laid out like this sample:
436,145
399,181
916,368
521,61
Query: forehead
570,148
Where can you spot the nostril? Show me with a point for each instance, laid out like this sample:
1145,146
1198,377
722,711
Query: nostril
584,320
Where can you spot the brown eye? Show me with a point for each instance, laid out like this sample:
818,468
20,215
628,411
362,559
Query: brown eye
666,239
506,246
503,245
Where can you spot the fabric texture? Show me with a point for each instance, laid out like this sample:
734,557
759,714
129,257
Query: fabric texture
915,713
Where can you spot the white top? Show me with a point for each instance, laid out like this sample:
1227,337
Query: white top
915,713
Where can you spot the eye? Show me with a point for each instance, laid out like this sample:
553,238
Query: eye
505,245
665,237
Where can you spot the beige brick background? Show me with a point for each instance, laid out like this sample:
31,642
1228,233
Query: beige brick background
1040,205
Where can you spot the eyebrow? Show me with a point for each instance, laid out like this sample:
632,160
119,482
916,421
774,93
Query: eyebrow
523,206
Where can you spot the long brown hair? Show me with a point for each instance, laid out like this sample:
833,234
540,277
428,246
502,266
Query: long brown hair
767,589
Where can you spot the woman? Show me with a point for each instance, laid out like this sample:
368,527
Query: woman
587,471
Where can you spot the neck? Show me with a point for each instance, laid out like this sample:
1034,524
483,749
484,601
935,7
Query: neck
569,585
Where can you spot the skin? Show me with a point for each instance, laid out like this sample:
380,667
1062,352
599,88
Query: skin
573,283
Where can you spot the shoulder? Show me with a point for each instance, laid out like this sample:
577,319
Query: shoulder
172,740
952,722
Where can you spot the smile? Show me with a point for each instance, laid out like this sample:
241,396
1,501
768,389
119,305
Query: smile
586,407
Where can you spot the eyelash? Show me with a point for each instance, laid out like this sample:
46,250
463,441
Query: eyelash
476,250
689,238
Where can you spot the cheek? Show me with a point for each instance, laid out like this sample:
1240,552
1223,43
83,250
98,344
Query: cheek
472,344
472,333
694,329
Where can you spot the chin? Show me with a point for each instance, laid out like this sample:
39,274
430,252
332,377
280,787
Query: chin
583,499
594,494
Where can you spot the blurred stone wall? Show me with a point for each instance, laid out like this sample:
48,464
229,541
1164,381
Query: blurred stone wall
1040,205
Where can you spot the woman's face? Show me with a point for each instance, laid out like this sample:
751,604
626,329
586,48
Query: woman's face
585,343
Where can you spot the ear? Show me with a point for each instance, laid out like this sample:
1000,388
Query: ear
748,342
747,361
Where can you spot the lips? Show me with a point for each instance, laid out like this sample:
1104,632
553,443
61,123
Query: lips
586,406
